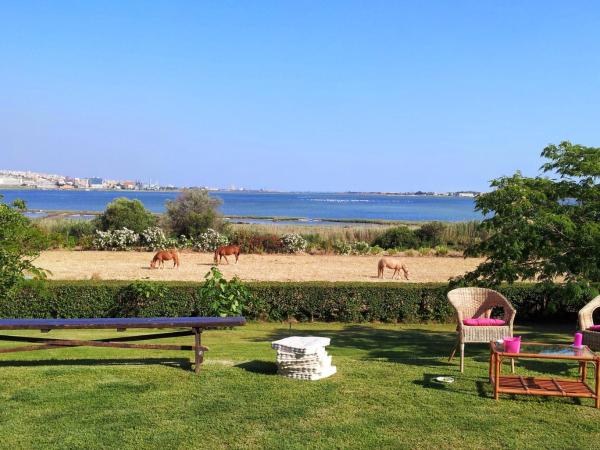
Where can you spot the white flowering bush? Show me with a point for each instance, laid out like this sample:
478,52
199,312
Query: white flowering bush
116,239
210,240
154,238
186,242
293,243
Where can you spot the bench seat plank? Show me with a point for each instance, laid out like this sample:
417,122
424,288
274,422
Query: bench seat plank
121,323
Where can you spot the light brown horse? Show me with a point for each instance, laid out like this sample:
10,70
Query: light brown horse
391,263
223,251
165,255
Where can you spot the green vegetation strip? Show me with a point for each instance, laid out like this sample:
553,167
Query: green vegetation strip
383,396
303,301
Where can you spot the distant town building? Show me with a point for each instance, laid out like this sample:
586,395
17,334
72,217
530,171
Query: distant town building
127,184
96,183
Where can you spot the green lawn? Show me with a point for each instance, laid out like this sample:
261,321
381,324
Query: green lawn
382,395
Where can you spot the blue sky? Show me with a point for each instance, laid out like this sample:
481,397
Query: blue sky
303,95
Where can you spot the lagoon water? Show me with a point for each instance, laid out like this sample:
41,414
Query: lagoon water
310,205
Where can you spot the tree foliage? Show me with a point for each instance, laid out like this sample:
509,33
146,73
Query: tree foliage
20,243
126,213
193,212
543,228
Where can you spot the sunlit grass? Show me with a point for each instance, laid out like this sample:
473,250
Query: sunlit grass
382,396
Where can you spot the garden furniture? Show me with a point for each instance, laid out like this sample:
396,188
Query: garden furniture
591,332
195,326
474,307
516,384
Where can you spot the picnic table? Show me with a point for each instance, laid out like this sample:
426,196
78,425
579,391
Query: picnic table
195,326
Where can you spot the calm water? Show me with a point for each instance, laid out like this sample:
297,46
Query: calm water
308,205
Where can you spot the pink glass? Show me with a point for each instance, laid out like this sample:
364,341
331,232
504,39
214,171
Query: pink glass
578,340
512,345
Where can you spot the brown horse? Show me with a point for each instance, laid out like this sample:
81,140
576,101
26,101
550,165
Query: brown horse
391,263
223,251
165,255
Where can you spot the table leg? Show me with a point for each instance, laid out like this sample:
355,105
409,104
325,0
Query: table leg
498,361
491,363
583,370
198,353
597,364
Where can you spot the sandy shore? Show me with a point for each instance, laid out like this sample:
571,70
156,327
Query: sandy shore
83,265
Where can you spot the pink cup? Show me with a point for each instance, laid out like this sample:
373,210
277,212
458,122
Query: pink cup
512,345
578,340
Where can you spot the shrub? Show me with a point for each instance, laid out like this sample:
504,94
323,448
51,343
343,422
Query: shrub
360,248
424,251
192,213
293,243
224,298
441,250
342,248
397,237
210,240
252,242
125,213
154,238
431,234
122,239
342,301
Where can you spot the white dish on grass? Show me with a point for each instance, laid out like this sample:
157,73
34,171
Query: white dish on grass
444,379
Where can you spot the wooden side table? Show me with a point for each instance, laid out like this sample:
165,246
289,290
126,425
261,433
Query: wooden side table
527,385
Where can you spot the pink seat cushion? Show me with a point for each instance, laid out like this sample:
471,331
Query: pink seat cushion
483,322
594,328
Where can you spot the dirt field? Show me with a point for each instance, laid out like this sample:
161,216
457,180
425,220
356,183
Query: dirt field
83,265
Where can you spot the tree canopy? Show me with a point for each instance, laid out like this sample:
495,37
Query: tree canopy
193,212
20,243
125,213
545,227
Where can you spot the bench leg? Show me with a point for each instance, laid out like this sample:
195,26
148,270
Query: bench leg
198,352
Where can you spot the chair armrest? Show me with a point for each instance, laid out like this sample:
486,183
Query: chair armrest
509,311
585,315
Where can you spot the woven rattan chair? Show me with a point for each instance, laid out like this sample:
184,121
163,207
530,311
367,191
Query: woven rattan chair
475,303
586,320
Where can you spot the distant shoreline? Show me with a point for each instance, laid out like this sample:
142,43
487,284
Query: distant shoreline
236,219
249,191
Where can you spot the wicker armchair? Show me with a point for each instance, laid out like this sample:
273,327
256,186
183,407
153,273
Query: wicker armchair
586,320
474,303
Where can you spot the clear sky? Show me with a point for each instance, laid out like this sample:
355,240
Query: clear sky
296,95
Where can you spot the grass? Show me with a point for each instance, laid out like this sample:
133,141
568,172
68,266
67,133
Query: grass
382,396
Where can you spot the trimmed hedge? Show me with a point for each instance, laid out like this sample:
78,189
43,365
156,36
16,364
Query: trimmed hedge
303,301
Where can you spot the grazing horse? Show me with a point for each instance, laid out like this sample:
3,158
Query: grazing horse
165,255
391,263
223,251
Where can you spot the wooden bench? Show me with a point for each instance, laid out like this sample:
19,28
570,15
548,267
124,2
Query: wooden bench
195,326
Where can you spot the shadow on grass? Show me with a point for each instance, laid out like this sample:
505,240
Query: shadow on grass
258,366
420,346
180,363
